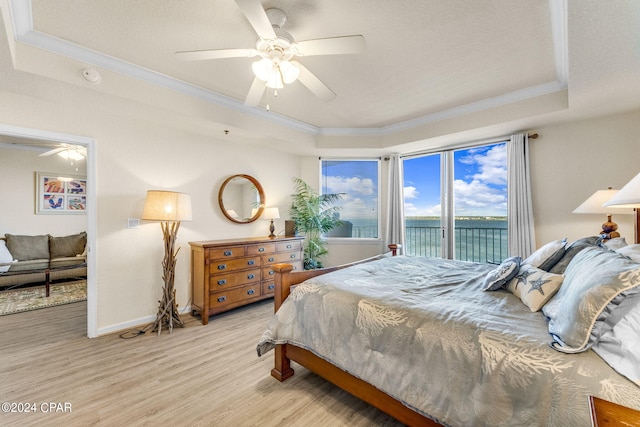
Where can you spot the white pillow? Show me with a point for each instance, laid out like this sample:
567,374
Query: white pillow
630,251
620,347
534,286
5,256
548,255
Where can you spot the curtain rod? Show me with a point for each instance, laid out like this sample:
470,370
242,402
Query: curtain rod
465,145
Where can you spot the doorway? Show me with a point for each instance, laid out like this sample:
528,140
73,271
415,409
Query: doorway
36,136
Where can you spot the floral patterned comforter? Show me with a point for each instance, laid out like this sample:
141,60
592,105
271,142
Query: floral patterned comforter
423,331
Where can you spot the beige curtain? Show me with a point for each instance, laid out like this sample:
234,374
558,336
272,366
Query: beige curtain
395,214
521,231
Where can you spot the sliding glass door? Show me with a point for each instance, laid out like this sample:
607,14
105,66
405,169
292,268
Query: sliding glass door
456,204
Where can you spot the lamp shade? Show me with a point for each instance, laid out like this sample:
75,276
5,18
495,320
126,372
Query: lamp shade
167,206
271,213
594,204
628,196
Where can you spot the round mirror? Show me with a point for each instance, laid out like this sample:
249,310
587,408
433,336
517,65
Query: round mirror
241,198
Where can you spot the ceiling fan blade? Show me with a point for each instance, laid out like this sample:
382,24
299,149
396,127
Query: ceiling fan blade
52,152
255,93
332,46
197,55
255,14
314,84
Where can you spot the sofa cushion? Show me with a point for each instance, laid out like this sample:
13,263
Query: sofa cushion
25,248
67,246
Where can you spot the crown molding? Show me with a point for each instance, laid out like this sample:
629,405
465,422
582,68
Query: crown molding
21,16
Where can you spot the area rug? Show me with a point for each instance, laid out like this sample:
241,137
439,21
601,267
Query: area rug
26,299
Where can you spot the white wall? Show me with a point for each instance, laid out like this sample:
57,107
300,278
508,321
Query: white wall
570,162
17,194
138,149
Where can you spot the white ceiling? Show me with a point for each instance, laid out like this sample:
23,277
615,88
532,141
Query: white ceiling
432,69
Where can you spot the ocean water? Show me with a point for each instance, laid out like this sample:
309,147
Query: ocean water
476,239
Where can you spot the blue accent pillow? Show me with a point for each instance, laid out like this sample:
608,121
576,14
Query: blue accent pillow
599,289
502,274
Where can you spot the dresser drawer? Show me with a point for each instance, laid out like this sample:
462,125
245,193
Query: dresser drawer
287,257
268,273
234,295
220,266
268,288
230,279
266,248
288,246
228,252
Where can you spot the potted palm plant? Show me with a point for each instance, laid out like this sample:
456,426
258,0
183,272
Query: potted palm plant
313,214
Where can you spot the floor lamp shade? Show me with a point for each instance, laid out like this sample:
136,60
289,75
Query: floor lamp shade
163,205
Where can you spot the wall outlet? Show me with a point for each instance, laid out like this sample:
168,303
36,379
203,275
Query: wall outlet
133,223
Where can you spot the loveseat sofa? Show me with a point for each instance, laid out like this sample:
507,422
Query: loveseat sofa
28,259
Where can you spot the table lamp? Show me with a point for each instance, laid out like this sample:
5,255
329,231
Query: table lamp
168,207
271,214
594,205
629,197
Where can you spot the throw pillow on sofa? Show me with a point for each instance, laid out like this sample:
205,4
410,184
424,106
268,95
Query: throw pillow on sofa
25,248
5,257
67,246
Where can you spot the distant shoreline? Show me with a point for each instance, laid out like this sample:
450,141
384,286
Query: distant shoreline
460,218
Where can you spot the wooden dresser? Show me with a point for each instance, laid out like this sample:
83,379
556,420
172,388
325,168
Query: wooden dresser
226,274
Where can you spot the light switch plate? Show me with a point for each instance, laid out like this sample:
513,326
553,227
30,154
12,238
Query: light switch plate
133,223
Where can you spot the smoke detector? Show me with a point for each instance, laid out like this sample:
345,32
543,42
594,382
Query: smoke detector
91,75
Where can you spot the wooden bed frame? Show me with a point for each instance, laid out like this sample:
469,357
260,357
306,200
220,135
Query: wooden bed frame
285,353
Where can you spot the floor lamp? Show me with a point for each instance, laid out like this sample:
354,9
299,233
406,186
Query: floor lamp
629,197
169,208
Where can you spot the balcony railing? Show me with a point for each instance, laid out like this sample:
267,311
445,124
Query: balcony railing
471,244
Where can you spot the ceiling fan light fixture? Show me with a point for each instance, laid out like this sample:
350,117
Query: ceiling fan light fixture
262,69
275,79
71,154
290,72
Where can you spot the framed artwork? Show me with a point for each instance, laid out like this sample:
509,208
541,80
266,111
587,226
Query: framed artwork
60,195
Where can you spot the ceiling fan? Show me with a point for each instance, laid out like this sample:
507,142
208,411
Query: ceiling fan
68,151
276,48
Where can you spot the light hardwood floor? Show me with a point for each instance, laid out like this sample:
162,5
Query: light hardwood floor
198,376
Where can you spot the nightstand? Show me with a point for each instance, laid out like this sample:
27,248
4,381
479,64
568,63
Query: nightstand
605,413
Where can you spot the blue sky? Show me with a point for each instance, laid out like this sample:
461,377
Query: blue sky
357,179
480,183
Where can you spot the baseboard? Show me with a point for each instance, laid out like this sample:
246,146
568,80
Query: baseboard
135,323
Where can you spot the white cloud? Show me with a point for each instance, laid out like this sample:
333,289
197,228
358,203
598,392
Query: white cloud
341,184
410,192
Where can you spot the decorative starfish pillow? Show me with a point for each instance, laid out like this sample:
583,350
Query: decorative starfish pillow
534,286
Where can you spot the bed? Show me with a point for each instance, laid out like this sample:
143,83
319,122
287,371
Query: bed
434,341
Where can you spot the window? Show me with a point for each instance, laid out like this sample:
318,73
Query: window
357,181
456,204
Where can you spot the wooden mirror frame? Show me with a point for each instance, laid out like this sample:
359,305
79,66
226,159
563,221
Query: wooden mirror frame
258,188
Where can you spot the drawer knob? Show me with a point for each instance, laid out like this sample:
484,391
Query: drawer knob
222,266
271,259
271,272
222,282
292,256
251,262
227,253
251,276
271,287
250,292
260,249
288,246
222,299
